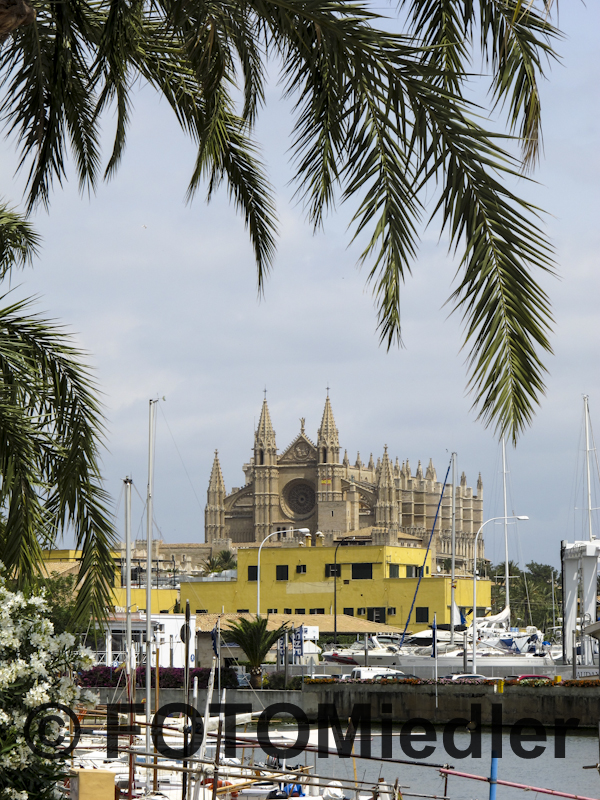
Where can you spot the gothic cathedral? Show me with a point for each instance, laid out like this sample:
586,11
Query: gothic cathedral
307,486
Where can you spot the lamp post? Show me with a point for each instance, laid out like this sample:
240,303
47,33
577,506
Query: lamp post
343,539
305,531
493,519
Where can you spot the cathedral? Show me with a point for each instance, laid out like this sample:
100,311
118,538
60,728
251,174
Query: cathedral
308,486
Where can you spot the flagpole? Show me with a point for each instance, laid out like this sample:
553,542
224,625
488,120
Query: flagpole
219,653
435,654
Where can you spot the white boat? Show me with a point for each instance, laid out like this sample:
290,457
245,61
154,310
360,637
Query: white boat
376,654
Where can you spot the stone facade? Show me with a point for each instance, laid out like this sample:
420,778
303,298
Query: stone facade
308,486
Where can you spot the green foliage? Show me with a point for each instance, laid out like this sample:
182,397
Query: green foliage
381,120
254,639
215,564
60,593
226,560
50,432
276,680
530,593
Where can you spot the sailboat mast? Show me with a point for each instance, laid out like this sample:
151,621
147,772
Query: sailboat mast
128,637
128,642
586,412
453,550
506,569
149,516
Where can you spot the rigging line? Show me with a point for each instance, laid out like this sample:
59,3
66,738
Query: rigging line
523,571
181,458
422,571
154,522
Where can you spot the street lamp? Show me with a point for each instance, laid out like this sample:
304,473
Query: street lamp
305,531
343,539
493,519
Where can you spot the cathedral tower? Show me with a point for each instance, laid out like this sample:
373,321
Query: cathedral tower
266,476
386,508
214,513
332,508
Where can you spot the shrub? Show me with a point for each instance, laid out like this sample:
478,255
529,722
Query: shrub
36,667
169,677
276,680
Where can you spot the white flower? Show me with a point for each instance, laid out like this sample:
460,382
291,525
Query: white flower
37,695
66,640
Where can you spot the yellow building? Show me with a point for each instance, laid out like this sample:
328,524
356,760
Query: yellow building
374,581
66,562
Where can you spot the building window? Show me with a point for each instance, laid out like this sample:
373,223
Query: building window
349,612
281,572
243,611
317,611
361,572
166,611
202,611
411,571
427,570
421,614
360,612
480,611
392,611
331,570
252,573
271,610
287,610
300,611
394,570
301,569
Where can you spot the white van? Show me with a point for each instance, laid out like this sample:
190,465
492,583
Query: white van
367,673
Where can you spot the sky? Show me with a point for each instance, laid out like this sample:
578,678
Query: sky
163,298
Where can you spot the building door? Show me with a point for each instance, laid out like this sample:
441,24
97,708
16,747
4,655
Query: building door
376,614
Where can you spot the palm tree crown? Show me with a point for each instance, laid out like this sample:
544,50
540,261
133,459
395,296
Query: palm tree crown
381,120
255,640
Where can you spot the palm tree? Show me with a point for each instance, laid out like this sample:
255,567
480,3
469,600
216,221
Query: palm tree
226,560
50,433
382,120
210,565
256,641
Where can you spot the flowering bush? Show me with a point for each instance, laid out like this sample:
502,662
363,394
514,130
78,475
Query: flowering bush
169,677
36,667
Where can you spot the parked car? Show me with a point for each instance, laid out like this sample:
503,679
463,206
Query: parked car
521,678
463,676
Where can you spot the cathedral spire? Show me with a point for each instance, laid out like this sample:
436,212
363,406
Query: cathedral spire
216,482
386,475
419,473
265,435
431,474
328,443
386,508
214,512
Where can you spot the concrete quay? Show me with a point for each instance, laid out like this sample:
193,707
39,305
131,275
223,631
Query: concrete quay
546,704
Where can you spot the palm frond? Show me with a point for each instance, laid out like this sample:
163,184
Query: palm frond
50,474
19,242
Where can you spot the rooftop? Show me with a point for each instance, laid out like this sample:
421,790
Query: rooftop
325,622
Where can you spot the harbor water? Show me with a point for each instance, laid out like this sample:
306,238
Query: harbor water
546,771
